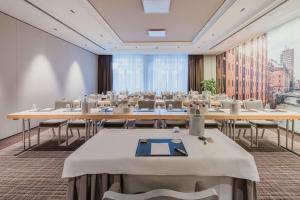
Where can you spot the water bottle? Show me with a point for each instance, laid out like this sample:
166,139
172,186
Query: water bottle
84,106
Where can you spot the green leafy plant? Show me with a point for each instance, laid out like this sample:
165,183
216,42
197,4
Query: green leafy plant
209,85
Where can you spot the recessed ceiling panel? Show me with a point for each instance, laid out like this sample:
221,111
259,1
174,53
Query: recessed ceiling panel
130,23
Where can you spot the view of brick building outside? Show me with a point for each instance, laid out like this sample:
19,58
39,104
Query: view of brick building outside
242,70
278,77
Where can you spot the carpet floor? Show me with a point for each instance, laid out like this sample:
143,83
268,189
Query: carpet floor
36,174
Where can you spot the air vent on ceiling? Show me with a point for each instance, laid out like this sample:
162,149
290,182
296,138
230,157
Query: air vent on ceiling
156,6
157,33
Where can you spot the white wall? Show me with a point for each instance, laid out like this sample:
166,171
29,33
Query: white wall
210,68
38,68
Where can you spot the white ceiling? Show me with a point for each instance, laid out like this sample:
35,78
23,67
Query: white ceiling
128,20
88,29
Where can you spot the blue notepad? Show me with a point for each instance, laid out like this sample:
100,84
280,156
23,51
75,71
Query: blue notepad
176,147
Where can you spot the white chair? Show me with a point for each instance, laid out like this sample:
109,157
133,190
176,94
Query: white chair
54,123
146,104
175,104
159,194
261,124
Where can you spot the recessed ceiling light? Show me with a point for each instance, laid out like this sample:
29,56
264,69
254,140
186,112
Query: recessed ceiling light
101,35
157,33
156,6
55,29
242,9
72,11
213,35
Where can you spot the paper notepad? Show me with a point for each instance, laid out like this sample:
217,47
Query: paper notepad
160,149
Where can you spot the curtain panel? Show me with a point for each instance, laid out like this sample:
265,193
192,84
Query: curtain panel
157,73
105,73
195,72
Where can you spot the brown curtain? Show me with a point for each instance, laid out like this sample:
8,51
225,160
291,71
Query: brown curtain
105,73
195,72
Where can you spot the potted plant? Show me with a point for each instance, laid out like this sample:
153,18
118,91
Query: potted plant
209,86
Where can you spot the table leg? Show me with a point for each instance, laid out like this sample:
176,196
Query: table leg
86,130
24,136
293,133
23,133
233,130
287,134
29,134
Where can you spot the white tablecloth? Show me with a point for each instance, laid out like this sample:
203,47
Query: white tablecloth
112,151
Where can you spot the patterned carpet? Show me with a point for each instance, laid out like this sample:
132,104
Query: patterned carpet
35,174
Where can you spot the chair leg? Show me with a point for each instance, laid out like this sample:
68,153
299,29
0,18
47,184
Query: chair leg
244,134
38,135
263,132
239,133
78,132
53,131
278,133
67,136
59,135
71,132
256,137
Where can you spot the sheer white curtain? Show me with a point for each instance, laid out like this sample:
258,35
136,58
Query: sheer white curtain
128,72
159,73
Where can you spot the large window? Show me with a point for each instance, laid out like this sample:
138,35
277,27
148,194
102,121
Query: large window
159,73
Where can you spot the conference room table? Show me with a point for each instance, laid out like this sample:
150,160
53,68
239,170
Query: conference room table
156,114
220,164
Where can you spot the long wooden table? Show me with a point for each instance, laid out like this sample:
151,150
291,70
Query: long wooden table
157,114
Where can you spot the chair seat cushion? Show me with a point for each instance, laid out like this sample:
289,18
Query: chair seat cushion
52,123
144,123
242,124
114,123
211,124
264,123
76,124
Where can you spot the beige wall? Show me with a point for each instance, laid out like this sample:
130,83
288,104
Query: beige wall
209,67
38,68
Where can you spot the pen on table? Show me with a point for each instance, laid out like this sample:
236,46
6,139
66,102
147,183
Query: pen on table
181,151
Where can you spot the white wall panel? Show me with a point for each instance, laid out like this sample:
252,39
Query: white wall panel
37,68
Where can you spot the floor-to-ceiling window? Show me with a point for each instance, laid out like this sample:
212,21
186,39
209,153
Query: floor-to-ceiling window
159,73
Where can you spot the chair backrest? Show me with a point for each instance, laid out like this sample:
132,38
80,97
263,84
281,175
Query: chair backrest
168,96
149,96
226,104
150,104
175,104
163,194
253,104
62,103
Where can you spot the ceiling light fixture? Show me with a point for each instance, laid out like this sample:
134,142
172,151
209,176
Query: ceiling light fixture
242,9
156,6
157,33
